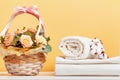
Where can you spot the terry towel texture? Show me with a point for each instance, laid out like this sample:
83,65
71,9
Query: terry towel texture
76,47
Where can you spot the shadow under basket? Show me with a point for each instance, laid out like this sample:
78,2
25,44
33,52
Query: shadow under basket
25,64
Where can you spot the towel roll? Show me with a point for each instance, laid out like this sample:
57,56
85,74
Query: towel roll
76,47
97,50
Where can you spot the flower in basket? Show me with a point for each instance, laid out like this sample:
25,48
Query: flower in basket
8,39
25,40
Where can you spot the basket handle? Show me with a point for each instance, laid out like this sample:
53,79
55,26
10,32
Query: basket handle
33,10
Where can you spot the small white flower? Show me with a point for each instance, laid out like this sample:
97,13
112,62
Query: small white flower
42,40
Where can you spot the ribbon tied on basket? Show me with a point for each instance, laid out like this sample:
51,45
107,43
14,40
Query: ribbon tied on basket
33,10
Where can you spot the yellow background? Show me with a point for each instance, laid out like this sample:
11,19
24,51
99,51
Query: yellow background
91,18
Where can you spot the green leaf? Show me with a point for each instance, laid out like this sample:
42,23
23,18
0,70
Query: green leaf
1,39
16,41
24,28
37,27
47,49
41,31
48,39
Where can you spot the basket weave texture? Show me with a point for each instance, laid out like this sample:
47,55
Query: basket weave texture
24,65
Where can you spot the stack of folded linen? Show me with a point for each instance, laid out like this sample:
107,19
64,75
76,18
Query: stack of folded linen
85,56
104,67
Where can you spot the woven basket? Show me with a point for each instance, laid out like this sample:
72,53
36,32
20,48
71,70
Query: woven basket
25,64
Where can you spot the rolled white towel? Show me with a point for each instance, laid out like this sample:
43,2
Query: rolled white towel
76,47
97,50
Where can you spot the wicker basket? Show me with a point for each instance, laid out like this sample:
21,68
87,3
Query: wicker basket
24,65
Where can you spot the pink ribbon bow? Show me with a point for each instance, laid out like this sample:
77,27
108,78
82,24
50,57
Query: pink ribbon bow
31,10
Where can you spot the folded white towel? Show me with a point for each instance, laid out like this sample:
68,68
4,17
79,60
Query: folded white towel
76,47
114,60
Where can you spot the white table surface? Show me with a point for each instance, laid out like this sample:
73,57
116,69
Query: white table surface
51,76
